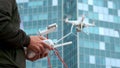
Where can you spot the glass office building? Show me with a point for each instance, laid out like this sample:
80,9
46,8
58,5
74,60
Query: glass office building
99,49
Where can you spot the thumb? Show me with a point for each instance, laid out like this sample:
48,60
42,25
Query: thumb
42,37
45,53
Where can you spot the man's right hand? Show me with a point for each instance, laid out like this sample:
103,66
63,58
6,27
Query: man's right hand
38,47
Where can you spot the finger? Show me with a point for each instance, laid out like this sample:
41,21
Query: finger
40,56
36,49
46,45
36,57
42,49
45,53
42,38
30,56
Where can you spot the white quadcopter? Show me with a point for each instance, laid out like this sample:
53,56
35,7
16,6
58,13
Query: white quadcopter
79,24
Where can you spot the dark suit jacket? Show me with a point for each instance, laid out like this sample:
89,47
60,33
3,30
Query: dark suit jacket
12,39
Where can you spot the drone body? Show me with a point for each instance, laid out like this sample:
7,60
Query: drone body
79,24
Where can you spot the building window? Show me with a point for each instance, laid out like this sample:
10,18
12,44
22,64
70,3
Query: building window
108,32
22,1
92,59
34,4
118,12
117,48
90,2
54,2
112,62
102,46
110,4
101,17
82,6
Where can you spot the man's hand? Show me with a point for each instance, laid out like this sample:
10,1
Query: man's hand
40,48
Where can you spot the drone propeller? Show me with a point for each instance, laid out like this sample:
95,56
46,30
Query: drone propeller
83,17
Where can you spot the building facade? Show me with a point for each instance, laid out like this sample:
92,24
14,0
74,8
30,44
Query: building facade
99,49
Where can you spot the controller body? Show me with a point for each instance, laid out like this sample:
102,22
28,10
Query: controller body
31,54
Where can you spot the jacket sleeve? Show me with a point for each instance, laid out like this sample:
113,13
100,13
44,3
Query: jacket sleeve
8,34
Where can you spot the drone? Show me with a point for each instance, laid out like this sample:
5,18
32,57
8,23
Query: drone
79,24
